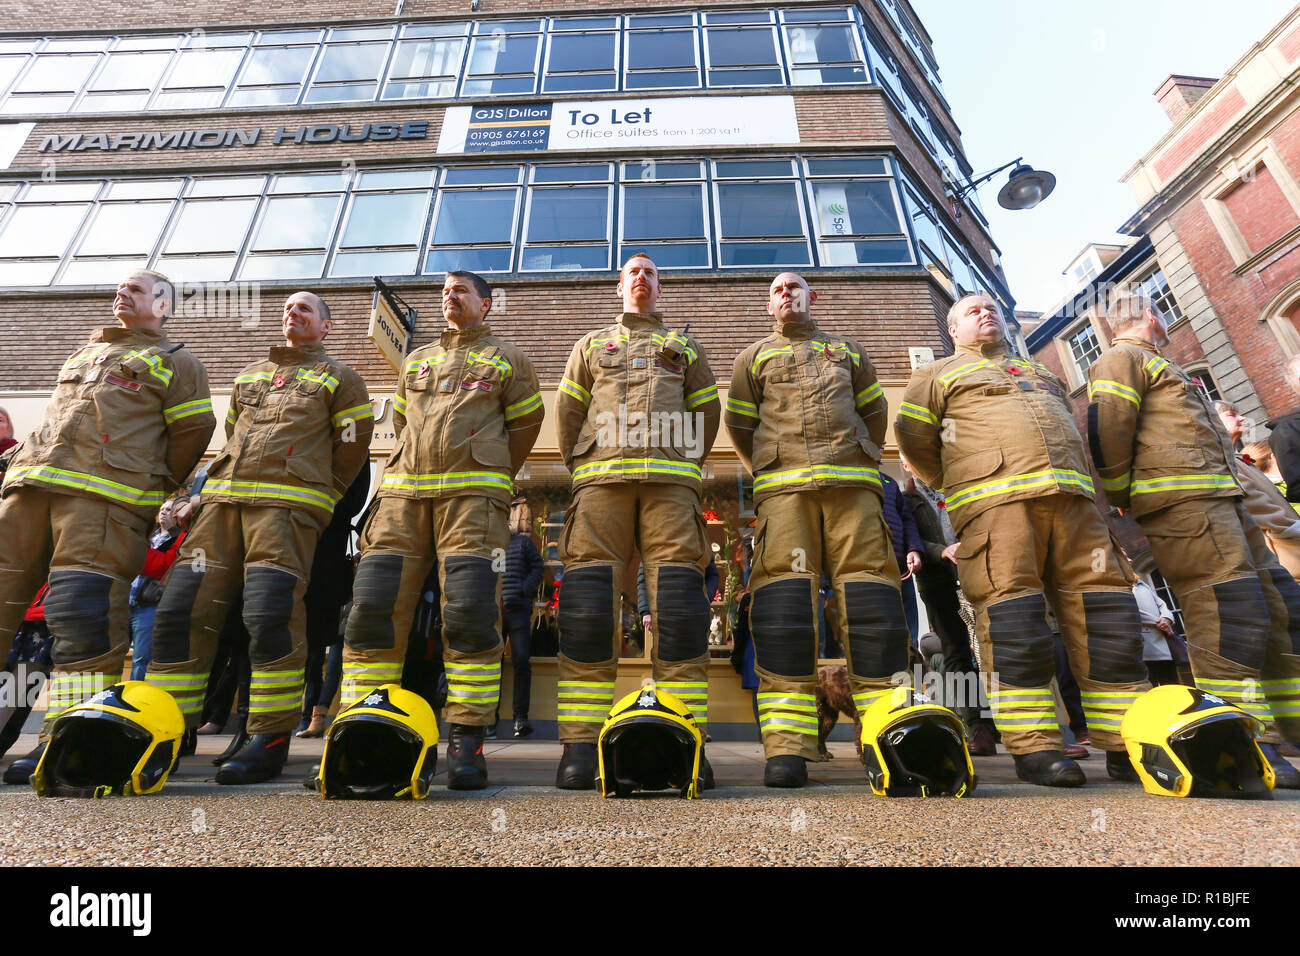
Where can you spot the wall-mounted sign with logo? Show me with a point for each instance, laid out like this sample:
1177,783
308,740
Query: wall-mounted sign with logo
610,124
391,323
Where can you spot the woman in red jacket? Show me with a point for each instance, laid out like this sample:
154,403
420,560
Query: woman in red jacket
146,590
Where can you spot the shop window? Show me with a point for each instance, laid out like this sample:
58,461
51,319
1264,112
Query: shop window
295,228
383,224
503,58
203,71
741,55
275,70
350,65
662,53
568,226
582,55
211,228
427,62
474,226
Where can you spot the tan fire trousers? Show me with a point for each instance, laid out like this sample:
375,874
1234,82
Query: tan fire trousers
265,552
1013,561
467,536
1240,607
89,549
601,528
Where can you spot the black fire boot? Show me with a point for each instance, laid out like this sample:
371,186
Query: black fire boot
1120,767
706,773
785,770
466,768
577,769
260,759
21,770
1049,768
1286,777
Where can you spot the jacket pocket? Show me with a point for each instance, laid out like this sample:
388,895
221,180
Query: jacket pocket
1181,457
973,567
308,469
586,438
492,452
124,459
971,467
871,448
765,455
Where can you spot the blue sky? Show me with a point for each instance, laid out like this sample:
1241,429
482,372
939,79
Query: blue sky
1070,86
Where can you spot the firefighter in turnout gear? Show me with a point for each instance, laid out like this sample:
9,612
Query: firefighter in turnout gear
637,412
297,432
467,412
808,418
128,420
996,433
1162,454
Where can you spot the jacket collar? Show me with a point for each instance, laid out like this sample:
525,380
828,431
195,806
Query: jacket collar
453,337
639,322
1140,343
296,355
118,333
988,350
797,329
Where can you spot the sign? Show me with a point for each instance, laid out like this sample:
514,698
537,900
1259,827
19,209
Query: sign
390,329
610,124
236,136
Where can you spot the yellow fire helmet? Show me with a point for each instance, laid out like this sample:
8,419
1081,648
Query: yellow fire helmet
1184,742
912,747
649,742
123,740
383,747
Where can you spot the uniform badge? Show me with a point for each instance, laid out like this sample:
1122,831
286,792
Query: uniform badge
638,363
122,383
277,382
483,386
666,366
423,369
445,385
1046,387
101,358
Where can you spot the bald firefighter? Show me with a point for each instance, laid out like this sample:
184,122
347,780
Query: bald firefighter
129,418
808,418
997,434
637,412
467,412
1162,454
297,433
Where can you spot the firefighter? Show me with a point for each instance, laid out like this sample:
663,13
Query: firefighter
128,420
637,412
808,418
297,433
467,412
1162,454
997,434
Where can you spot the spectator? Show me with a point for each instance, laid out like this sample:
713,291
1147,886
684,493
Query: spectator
643,597
1069,690
1285,439
146,589
907,546
1157,632
29,657
7,439
1275,516
523,575
742,649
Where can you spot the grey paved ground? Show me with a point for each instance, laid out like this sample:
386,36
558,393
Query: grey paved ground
522,819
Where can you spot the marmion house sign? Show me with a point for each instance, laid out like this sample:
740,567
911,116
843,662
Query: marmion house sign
221,138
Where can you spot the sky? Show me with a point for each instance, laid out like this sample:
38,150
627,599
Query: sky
1070,86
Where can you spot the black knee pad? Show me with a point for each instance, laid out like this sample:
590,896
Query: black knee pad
683,615
268,607
586,614
1289,590
1022,641
76,610
1114,637
1244,622
374,597
469,616
784,627
171,622
878,635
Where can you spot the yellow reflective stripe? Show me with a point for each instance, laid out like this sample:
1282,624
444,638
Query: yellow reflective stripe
569,387
83,482
169,682
919,412
837,347
357,411
817,473
414,364
1290,686
792,717
251,377
787,723
767,354
1157,365
156,367
742,408
1117,484
399,405
444,482
329,381
1114,388
231,415
189,408
266,489
500,364
869,394
988,489
700,397
659,466
1147,486
786,703
531,403
947,378
276,677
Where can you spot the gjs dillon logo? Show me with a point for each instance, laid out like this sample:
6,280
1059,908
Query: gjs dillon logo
76,909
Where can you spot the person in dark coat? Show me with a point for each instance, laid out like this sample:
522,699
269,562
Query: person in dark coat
519,583
1285,437
907,546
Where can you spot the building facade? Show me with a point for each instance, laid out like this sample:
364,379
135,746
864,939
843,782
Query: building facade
250,151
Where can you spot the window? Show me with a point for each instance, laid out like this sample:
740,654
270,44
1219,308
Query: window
568,223
760,214
474,225
823,47
350,65
202,72
662,53
126,79
1154,285
858,221
295,228
503,58
275,69
14,56
1084,348
740,49
1204,380
582,55
663,214
384,223
52,79
427,62
40,228
211,228
122,232
1167,595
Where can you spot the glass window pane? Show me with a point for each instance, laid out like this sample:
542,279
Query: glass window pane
197,269
820,44
756,17
475,260
741,48
334,94
674,256
759,209
244,186
856,209
484,27
421,58
420,90
564,258
361,33
143,189
9,67
816,14
61,192
277,65
27,273
160,42
189,100
47,103
113,102
204,68
764,254
656,51
663,212
395,179
385,220
585,23
580,82
289,36
483,176
847,167
435,30
40,230
503,54
650,170
8,191
57,74
17,46
282,267
559,215
571,174
309,183
664,80
465,217
100,271
745,169
875,252
265,96
131,71
296,222
375,263
210,40
77,46
218,226
351,63
669,20
582,51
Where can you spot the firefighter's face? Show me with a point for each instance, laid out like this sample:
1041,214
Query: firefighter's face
1157,325
142,301
304,319
462,306
978,322
638,284
789,298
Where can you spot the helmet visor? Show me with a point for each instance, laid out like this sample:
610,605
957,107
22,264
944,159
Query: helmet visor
1222,758
926,757
649,754
370,758
93,753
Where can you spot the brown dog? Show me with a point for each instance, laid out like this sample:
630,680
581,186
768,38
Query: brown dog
835,697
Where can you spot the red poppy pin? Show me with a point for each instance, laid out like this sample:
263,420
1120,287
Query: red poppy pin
277,382
1013,369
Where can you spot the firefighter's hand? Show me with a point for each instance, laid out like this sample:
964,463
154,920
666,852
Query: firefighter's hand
913,561
182,513
950,552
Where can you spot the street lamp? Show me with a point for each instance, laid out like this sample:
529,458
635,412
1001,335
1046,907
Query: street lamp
1026,187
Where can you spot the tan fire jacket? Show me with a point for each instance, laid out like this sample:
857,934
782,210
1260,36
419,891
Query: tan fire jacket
988,428
1155,439
128,420
456,400
297,433
629,412
815,410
